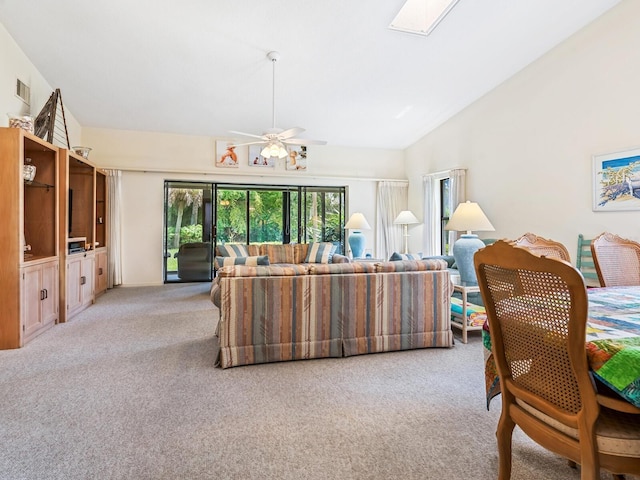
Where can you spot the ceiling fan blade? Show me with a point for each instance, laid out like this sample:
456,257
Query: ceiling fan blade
248,135
290,132
304,141
248,143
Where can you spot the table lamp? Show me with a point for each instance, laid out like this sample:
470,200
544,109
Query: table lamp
468,216
406,218
357,240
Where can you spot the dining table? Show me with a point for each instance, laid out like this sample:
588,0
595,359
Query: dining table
612,343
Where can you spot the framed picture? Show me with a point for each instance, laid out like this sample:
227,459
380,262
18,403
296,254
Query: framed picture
616,181
257,160
226,155
297,159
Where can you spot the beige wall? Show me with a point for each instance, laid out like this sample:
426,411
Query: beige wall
528,145
148,159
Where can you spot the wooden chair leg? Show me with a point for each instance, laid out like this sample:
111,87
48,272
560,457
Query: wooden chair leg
504,435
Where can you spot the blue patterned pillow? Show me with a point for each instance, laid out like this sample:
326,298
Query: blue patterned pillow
249,261
320,252
405,256
233,250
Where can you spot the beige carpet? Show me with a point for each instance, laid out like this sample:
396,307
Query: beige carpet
128,390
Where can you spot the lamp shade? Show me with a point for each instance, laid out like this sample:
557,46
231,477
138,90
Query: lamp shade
469,217
357,222
405,217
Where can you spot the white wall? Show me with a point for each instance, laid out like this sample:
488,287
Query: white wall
528,145
148,159
15,65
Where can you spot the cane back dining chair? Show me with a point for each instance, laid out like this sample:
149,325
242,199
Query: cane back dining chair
537,313
542,246
584,262
617,260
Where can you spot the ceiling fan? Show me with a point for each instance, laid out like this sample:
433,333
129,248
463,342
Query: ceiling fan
275,139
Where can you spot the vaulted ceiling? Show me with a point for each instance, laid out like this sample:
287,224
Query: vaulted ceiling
200,66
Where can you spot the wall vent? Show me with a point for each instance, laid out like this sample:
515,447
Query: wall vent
23,92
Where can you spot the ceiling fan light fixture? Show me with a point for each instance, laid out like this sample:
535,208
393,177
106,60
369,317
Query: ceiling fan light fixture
274,149
276,138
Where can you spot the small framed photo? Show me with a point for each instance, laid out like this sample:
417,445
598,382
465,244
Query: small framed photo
226,155
297,159
616,181
257,160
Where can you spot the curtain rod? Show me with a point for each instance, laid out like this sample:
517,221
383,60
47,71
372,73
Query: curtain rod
272,175
442,172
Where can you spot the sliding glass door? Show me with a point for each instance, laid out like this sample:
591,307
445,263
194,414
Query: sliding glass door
323,215
188,232
199,216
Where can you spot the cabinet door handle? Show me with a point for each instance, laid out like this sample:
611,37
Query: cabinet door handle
83,280
41,294
46,293
100,271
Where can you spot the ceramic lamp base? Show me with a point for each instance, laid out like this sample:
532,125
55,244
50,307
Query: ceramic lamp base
463,251
357,243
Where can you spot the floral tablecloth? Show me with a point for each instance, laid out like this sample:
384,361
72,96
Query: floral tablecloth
612,343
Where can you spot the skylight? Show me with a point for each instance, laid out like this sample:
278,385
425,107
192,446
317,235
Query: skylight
421,16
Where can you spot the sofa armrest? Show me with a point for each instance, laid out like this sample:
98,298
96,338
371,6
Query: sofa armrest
338,258
448,258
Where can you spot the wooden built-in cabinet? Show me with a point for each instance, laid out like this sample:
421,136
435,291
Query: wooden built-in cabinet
80,286
39,281
83,207
101,233
29,237
101,209
101,271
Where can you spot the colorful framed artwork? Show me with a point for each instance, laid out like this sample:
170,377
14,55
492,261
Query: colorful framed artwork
297,159
257,160
616,181
226,155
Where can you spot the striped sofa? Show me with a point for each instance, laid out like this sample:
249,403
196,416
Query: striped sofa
276,253
292,312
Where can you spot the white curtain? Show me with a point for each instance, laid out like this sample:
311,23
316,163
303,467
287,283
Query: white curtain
392,199
431,240
457,190
114,241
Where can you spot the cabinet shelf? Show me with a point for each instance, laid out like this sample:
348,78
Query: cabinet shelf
36,184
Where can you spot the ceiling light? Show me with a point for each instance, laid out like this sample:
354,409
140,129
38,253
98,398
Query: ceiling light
274,149
421,16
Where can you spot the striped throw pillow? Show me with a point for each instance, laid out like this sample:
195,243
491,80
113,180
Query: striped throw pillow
232,250
249,261
278,253
320,252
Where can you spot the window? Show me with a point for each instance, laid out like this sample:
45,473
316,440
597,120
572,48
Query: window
445,213
324,215
442,193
